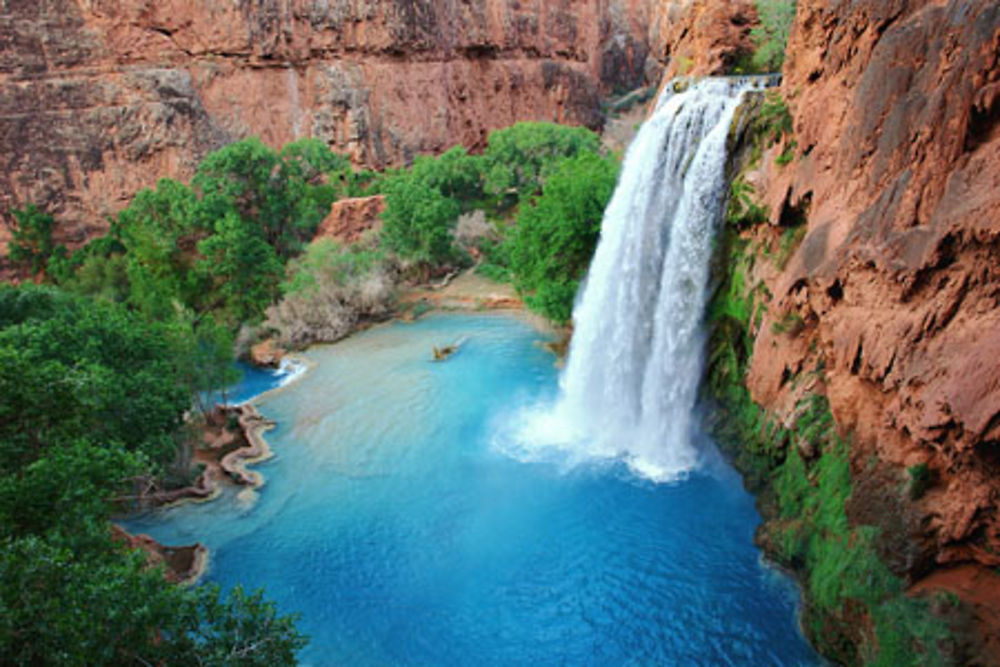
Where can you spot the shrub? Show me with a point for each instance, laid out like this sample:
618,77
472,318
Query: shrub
31,246
551,245
330,291
770,37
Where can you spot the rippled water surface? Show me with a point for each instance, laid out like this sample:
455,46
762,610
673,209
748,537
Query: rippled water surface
394,523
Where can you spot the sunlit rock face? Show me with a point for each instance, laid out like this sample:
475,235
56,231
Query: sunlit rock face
99,98
896,109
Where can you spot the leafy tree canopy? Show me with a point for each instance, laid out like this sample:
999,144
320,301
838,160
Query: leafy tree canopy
31,245
519,157
550,247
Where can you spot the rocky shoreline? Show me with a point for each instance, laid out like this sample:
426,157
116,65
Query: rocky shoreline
232,438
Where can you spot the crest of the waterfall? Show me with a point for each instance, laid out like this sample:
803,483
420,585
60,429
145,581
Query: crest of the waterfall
631,380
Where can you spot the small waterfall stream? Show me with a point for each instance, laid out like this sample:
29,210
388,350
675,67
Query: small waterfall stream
635,361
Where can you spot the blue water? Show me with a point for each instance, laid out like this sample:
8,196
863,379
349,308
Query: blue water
392,521
253,382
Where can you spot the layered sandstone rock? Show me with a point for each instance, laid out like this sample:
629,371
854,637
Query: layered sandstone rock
350,218
700,37
896,109
101,97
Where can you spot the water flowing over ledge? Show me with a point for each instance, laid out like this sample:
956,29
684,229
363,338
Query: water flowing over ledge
635,361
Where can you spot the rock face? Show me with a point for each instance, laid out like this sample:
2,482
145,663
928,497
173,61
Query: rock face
896,109
699,37
350,218
99,98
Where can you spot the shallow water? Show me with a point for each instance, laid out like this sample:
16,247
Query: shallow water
393,521
255,381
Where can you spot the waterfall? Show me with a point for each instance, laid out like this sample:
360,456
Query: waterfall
630,384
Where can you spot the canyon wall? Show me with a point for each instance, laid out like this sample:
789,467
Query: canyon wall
99,98
896,109
894,292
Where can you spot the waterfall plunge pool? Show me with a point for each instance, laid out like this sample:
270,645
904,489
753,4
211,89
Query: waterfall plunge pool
394,523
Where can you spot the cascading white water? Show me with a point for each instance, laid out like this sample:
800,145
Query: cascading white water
631,380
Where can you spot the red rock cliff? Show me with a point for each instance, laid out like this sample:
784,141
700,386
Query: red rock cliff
101,97
896,108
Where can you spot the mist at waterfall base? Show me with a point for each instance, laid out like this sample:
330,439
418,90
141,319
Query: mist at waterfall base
483,510
394,523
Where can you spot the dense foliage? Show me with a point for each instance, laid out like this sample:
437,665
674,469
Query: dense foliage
519,158
92,397
770,37
31,245
544,187
98,370
216,248
550,247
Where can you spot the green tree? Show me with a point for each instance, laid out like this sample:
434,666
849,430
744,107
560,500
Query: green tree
770,37
312,160
159,230
455,174
272,193
73,368
550,247
519,157
241,268
31,244
418,220
204,350
91,396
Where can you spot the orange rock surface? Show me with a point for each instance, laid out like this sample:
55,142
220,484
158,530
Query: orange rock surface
350,218
101,98
896,109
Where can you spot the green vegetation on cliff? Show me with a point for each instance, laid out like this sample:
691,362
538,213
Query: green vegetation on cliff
855,609
769,36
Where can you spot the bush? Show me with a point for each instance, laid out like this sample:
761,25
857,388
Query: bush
330,291
31,245
551,245
770,37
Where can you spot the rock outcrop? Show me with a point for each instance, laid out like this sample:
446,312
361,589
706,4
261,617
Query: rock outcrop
184,564
99,98
896,284
702,37
350,218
